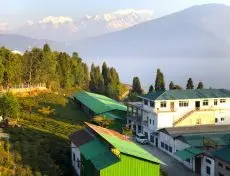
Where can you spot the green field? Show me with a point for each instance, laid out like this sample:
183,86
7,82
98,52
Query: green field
40,145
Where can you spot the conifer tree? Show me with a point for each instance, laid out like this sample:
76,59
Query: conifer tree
136,87
200,85
151,89
190,84
159,82
171,86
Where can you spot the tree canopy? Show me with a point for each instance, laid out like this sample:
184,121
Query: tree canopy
200,85
55,69
190,84
136,87
159,82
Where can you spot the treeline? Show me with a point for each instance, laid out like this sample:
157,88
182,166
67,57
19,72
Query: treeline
160,85
56,69
105,81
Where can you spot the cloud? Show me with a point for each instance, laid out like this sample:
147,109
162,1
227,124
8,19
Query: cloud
56,20
29,22
4,27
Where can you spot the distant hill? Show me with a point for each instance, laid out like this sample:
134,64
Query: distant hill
199,31
22,43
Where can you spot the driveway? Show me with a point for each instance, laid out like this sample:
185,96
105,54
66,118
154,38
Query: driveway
172,166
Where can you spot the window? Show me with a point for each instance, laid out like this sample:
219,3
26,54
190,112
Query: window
188,160
153,122
150,121
198,121
166,147
222,119
205,103
208,161
220,164
152,138
170,149
216,120
147,118
146,102
152,104
222,100
73,156
227,168
78,163
215,102
163,104
162,145
208,170
130,121
183,103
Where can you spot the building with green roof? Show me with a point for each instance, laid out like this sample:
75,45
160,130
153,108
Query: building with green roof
178,108
98,151
199,148
222,158
99,105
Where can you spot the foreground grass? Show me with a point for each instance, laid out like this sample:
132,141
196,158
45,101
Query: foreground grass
40,145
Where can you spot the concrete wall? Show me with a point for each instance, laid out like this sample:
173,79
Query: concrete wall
76,156
207,162
221,167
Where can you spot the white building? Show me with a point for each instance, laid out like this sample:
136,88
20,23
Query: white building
194,146
179,108
77,139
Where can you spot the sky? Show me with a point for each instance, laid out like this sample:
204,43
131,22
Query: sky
17,12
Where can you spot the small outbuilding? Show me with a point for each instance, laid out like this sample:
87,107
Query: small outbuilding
98,151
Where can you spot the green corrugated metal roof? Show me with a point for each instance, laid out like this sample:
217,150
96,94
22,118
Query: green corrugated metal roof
188,94
130,148
223,154
188,153
184,155
111,116
98,103
122,144
196,140
98,154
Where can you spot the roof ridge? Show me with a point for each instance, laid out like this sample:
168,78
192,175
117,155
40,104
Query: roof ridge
101,100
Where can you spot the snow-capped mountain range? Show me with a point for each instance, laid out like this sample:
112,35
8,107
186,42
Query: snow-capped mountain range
51,27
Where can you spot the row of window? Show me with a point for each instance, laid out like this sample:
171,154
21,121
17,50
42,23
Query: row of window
221,165
166,147
163,104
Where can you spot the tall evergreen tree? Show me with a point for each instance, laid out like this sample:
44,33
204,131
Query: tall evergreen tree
151,89
190,84
200,85
136,87
171,86
159,82
96,80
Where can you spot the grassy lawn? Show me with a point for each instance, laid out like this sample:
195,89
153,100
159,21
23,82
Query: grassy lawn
40,146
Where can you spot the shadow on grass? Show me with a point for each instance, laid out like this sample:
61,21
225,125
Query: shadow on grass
42,152
68,112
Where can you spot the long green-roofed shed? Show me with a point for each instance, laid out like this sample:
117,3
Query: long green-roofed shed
99,103
187,94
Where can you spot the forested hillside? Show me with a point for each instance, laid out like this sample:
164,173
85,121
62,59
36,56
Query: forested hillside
56,69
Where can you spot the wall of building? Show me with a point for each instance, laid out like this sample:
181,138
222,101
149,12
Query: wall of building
176,145
222,167
75,156
131,166
166,116
222,117
198,118
207,166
